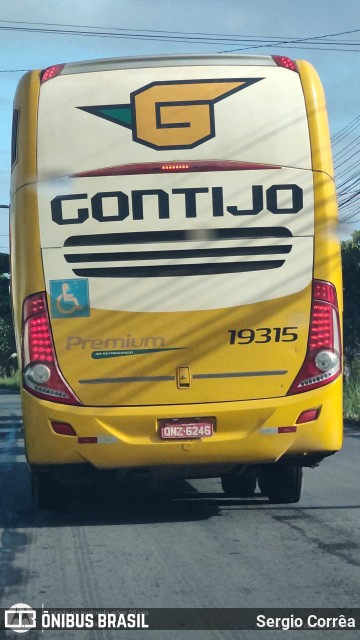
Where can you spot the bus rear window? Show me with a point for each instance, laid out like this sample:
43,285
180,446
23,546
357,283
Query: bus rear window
14,137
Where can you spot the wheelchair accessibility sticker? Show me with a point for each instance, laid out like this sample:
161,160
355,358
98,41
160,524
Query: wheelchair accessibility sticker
70,298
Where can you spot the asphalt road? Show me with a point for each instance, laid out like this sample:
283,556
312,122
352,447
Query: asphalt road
185,546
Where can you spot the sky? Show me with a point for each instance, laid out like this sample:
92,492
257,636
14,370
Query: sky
35,34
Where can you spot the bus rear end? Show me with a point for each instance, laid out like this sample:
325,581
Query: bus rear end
181,315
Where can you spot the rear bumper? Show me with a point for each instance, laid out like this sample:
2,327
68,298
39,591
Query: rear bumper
125,438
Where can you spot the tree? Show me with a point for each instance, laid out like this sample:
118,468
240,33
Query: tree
351,278
7,338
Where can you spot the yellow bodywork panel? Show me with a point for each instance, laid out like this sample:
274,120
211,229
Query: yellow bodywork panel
246,432
118,358
232,364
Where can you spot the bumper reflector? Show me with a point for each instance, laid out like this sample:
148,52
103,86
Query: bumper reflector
308,416
63,428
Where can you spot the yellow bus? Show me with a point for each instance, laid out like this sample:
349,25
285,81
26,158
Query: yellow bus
176,276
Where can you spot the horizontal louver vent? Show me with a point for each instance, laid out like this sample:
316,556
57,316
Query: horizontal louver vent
178,253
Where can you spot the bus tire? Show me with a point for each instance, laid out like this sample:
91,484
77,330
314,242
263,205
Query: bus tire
281,483
46,490
241,486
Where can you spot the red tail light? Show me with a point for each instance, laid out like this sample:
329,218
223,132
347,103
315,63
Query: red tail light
50,72
287,63
41,374
322,363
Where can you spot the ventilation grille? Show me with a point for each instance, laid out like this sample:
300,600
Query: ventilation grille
177,253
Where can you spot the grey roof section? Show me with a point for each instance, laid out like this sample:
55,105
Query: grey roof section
110,64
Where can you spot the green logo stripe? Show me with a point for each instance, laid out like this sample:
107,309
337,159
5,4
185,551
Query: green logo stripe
118,113
98,355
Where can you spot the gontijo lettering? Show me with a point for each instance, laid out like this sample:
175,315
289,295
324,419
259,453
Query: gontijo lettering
125,205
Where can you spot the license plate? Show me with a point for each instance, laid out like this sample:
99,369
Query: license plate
186,428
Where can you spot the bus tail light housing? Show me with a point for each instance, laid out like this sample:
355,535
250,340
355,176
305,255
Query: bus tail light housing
51,72
322,362
285,62
41,374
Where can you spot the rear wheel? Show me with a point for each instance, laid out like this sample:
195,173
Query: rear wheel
281,483
242,486
46,490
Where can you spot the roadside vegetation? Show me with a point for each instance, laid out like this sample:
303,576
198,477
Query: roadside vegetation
9,376
10,382
8,362
352,397
351,279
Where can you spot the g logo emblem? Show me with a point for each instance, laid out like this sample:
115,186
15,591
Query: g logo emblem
172,115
